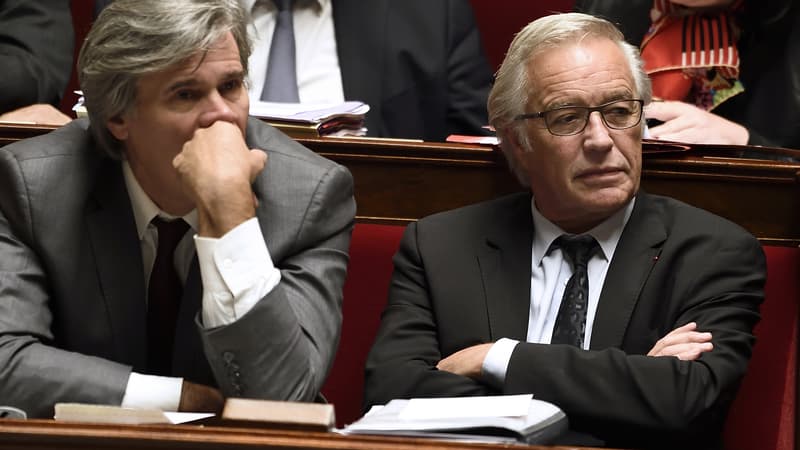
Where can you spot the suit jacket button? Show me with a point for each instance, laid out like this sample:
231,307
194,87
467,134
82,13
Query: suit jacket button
228,357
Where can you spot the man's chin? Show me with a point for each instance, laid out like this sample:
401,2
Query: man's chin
609,199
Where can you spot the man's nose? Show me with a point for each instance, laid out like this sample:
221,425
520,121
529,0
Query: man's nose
597,135
216,108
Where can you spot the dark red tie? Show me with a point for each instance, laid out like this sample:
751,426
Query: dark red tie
163,297
570,327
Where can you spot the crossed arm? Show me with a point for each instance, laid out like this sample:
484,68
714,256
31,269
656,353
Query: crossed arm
684,343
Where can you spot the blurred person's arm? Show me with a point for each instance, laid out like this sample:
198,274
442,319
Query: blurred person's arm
40,113
36,46
683,122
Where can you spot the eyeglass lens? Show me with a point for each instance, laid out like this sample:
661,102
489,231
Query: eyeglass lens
569,120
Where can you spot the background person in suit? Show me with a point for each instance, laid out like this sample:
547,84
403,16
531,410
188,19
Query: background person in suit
766,108
36,42
651,352
419,65
261,269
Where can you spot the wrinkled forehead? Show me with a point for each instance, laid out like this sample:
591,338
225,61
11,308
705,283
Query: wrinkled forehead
588,72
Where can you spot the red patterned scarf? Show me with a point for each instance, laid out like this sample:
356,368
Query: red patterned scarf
691,54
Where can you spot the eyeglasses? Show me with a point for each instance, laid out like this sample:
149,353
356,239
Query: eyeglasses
571,120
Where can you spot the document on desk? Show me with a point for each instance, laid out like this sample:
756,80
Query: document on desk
83,412
510,418
301,120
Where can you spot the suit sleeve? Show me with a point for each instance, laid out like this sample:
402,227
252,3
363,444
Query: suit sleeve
36,46
284,346
402,361
469,74
625,397
34,373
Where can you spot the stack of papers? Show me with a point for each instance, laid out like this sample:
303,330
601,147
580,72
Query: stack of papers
302,120
504,418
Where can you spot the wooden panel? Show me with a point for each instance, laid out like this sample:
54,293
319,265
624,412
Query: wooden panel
397,181
401,181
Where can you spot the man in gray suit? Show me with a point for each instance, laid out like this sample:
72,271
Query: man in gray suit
632,312
257,279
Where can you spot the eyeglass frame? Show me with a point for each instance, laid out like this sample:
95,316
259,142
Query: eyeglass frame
589,110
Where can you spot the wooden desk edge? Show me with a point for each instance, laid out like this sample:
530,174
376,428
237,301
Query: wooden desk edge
49,434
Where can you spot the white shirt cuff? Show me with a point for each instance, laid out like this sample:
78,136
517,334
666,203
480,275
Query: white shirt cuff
495,365
237,272
152,392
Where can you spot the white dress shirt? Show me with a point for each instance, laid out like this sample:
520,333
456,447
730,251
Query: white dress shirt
319,79
550,273
236,271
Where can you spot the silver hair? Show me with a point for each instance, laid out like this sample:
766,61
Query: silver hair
510,92
132,38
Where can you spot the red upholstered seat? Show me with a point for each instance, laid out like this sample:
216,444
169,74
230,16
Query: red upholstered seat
763,414
365,291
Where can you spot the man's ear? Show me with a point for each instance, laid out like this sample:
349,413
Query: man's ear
118,126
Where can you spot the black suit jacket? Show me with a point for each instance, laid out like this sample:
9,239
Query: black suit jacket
419,64
463,278
36,42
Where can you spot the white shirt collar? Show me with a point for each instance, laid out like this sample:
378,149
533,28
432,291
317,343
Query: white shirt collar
144,209
607,233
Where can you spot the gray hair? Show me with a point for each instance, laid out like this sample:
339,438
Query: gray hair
132,38
509,94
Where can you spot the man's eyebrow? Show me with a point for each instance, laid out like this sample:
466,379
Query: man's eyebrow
231,75
619,95
191,82
238,73
610,97
180,84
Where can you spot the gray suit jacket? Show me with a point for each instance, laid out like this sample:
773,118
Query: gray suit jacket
463,278
72,295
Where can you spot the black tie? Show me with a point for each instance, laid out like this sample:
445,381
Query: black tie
163,297
570,324
280,84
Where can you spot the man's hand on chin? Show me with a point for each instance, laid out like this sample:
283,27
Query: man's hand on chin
217,170
467,362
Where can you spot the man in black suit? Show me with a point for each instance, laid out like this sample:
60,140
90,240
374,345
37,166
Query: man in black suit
644,339
418,64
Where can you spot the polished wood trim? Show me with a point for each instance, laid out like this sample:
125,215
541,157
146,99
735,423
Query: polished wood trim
398,180
52,435
13,132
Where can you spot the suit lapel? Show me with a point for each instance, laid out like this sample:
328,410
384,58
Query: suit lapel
634,258
360,52
505,266
117,252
